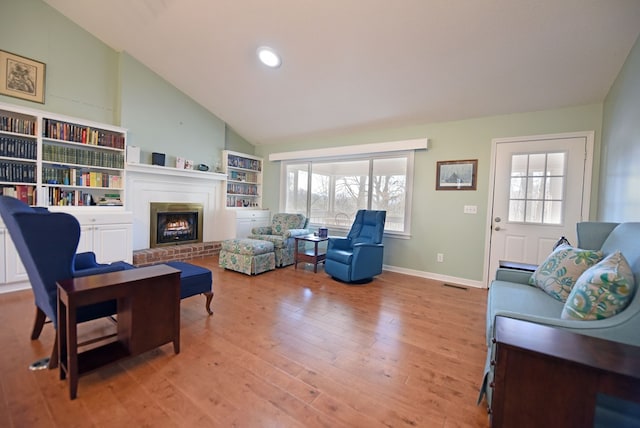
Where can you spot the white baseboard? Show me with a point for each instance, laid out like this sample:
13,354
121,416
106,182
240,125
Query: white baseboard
15,286
436,277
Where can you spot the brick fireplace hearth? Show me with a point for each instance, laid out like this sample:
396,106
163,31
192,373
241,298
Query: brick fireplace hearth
175,253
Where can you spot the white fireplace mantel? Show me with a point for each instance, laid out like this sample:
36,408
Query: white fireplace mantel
164,171
153,183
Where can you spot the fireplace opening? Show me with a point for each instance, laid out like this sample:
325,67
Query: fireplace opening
175,223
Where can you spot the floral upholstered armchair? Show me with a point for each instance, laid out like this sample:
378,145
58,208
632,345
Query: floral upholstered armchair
282,232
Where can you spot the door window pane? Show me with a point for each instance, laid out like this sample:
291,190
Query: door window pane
535,187
533,212
536,193
519,165
554,189
555,164
553,212
537,164
516,211
518,188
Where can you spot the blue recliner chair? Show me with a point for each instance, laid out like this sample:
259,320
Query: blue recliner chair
47,244
358,257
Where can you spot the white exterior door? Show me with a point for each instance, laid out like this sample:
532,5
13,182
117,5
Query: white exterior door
541,189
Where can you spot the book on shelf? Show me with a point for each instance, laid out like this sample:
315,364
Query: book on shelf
110,199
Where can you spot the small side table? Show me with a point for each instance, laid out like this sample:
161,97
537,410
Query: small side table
311,255
148,300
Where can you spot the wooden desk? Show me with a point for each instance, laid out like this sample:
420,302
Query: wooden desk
312,255
148,301
550,377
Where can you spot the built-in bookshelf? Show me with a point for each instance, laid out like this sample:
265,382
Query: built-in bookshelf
18,155
54,160
244,180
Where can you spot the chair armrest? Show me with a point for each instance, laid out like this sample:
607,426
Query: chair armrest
365,249
299,232
85,260
513,275
100,269
339,244
367,245
261,230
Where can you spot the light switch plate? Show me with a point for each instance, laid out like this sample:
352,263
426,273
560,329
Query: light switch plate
471,209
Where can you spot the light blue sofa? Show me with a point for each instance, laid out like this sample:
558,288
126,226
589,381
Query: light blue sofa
510,295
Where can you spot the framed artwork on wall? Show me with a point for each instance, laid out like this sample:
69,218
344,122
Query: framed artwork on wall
456,175
21,77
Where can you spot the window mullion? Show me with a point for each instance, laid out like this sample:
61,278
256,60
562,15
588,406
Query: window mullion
370,185
309,175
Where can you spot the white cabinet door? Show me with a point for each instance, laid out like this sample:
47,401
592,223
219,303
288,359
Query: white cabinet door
15,269
113,242
86,239
247,220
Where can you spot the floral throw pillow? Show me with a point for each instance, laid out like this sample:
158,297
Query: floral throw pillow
602,291
560,271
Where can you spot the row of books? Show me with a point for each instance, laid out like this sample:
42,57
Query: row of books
110,200
62,197
78,177
82,134
17,147
234,201
242,189
16,172
238,162
20,125
243,176
53,153
26,194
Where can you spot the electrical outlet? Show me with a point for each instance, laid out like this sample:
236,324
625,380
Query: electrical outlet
440,257
471,209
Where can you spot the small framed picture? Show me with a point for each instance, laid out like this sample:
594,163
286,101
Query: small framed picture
21,77
456,175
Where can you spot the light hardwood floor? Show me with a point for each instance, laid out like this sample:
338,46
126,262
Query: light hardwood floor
285,348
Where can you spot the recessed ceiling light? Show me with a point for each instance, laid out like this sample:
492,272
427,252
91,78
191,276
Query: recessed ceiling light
269,57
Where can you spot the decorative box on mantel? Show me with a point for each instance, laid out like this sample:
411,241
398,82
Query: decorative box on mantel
152,183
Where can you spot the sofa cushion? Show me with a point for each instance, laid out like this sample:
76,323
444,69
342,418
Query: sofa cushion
560,271
601,291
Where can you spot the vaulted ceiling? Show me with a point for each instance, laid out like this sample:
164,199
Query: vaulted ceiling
355,65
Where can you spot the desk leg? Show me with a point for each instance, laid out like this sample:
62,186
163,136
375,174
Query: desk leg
61,333
315,258
295,254
72,350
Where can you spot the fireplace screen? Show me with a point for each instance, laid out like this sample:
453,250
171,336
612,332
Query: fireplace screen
175,223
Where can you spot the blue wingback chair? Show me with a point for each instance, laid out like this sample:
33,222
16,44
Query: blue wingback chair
358,257
46,243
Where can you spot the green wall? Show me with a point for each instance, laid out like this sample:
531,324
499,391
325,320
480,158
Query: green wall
235,142
162,119
81,71
438,223
620,157
87,79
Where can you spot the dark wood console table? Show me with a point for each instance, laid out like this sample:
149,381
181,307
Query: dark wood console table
550,377
148,301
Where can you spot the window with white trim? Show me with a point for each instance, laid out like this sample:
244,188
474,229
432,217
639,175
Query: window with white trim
330,191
